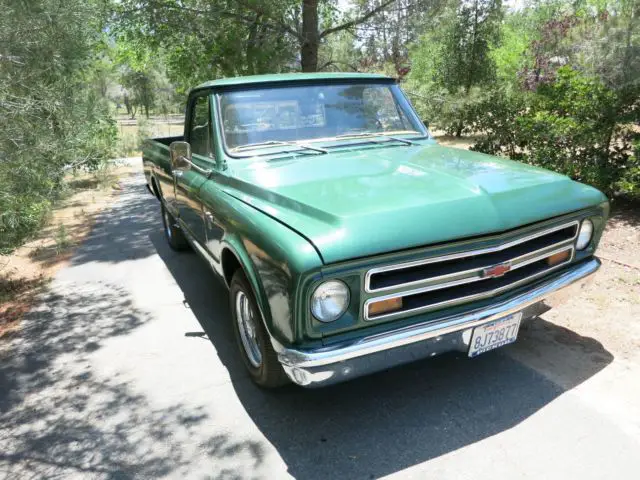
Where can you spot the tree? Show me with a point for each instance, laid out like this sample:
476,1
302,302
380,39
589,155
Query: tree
387,37
140,91
235,35
455,56
52,118
580,96
309,34
140,75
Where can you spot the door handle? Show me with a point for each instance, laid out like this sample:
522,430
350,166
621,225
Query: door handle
208,217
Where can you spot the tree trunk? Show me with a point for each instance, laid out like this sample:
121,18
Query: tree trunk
310,36
471,67
472,62
127,104
251,46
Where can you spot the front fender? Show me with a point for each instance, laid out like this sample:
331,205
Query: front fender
234,244
276,261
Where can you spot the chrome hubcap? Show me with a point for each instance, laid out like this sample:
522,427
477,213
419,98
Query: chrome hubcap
247,327
167,224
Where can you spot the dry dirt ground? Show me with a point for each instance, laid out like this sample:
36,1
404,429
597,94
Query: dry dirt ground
26,271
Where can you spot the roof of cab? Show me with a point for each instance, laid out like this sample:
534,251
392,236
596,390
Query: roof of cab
289,77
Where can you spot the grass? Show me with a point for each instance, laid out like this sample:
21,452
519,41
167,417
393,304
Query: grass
16,297
131,133
62,239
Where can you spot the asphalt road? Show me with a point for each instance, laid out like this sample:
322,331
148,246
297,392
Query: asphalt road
127,369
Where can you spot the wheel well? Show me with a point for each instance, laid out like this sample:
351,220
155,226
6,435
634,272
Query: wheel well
230,264
154,187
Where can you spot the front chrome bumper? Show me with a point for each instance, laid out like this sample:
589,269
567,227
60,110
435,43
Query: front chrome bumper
337,363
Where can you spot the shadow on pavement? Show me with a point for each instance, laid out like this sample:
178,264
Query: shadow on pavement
122,233
387,422
62,417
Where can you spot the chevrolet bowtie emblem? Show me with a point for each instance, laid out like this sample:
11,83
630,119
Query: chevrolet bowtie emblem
496,270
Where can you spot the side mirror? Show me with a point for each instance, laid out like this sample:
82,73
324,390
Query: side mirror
180,156
426,124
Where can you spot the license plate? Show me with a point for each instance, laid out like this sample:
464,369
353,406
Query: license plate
495,334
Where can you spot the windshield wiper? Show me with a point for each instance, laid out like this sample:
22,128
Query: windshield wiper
275,143
379,134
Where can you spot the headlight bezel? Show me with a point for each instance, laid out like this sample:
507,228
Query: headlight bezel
581,243
327,285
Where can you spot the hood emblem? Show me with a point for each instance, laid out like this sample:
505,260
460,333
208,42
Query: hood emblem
496,270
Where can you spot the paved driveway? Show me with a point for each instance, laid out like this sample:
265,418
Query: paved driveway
127,368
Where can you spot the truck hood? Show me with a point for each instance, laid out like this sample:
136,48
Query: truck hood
363,202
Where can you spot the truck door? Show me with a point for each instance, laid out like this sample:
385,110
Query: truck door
188,183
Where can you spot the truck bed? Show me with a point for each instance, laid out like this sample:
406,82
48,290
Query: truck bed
167,140
155,151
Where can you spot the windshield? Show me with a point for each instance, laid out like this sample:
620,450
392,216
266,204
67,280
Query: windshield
278,116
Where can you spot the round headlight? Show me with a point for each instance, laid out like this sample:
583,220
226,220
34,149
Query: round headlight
585,234
330,300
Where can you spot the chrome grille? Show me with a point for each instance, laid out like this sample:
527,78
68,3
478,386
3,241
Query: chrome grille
462,277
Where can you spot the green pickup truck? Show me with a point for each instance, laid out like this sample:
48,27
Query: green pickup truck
349,240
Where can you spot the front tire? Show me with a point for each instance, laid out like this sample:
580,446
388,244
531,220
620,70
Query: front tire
172,232
251,335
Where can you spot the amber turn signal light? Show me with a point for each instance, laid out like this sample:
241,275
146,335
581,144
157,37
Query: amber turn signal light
557,258
385,306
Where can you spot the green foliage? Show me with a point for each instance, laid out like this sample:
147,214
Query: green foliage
205,40
510,55
62,239
629,182
496,117
453,63
386,38
555,83
577,96
143,78
144,132
454,114
51,119
569,125
140,91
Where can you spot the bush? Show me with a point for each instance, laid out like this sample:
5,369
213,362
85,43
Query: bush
629,183
454,113
496,118
568,125
51,120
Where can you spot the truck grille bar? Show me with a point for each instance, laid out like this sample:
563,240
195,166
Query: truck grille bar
457,278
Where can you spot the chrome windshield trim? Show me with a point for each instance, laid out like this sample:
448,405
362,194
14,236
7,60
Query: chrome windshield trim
401,101
575,277
459,300
467,253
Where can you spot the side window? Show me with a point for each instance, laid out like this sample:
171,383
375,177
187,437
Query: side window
200,128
